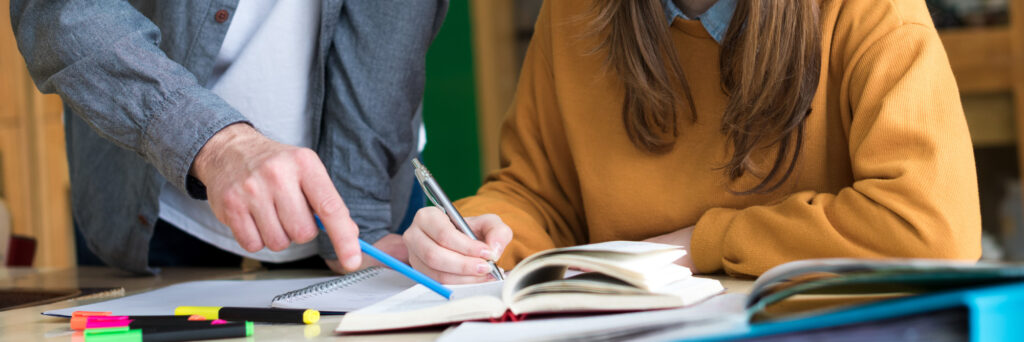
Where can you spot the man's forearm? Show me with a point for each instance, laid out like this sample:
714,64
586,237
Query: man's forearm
102,58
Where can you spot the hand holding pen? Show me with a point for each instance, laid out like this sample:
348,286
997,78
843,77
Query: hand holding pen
450,248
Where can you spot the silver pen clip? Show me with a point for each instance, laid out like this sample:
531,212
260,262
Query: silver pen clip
422,174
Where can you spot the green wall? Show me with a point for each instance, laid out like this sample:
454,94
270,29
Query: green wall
449,107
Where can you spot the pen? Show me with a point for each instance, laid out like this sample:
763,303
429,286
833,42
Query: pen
397,265
440,200
263,315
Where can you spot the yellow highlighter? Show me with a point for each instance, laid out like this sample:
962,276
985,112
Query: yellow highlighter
262,315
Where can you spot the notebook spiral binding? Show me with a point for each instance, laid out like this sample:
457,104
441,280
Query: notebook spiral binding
328,286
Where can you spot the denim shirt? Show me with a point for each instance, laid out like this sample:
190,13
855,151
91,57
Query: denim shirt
130,76
715,20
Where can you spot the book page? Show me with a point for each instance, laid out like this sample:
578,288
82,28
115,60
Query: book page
645,265
592,295
628,247
644,271
848,275
725,310
639,263
419,306
847,265
419,297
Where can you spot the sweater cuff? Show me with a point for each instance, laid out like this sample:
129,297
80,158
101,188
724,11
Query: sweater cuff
708,239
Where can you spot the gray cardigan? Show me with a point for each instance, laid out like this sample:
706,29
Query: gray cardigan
130,76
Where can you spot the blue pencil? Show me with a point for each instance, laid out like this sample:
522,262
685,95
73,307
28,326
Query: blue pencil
399,266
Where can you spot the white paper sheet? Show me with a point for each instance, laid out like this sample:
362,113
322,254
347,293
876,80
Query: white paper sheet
249,293
252,293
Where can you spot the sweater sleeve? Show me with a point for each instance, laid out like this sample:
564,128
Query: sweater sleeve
532,194
914,192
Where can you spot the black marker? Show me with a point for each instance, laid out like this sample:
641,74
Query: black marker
169,333
263,315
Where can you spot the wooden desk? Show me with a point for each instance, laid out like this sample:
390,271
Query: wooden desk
27,324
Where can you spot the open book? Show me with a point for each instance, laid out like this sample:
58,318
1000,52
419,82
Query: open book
619,276
880,298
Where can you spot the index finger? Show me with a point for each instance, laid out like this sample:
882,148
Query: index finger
334,216
439,228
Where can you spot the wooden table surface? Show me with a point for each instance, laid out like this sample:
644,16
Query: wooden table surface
27,324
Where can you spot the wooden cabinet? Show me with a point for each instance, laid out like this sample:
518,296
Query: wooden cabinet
988,62
496,69
989,66
33,165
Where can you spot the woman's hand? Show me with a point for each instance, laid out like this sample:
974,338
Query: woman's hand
679,238
442,252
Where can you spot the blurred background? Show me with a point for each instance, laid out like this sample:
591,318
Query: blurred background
472,69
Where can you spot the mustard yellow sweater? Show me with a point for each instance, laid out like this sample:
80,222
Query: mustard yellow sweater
886,169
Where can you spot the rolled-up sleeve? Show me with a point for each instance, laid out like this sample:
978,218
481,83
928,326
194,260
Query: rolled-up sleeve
102,58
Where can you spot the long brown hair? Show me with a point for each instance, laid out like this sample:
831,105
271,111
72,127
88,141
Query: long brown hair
770,63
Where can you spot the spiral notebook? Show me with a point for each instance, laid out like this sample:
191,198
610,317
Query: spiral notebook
327,294
346,293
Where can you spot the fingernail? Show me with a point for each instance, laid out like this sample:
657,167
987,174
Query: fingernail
483,268
352,261
486,254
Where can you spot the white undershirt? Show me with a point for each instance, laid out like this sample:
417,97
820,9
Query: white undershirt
262,70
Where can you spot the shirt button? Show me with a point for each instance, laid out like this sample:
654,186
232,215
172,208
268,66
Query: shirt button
221,16
143,220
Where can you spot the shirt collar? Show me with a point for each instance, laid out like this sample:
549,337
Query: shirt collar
715,20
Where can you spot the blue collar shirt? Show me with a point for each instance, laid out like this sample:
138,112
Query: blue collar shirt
715,20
